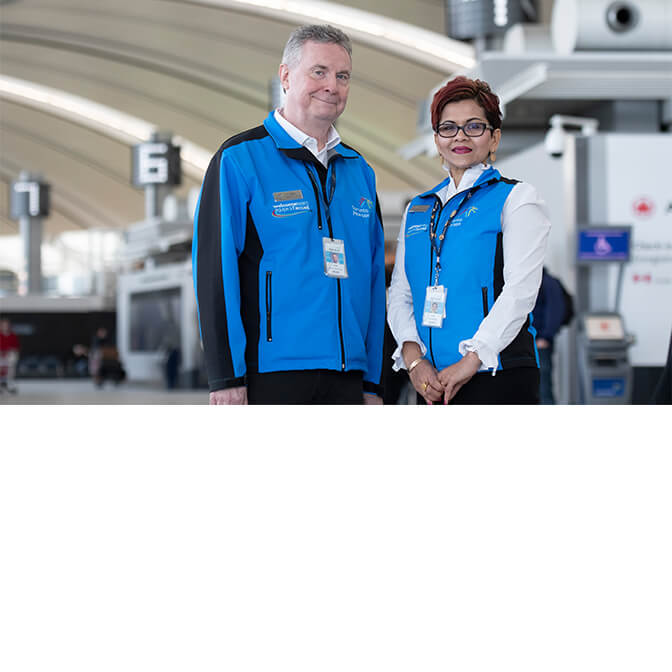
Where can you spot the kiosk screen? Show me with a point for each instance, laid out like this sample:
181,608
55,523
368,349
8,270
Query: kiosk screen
604,327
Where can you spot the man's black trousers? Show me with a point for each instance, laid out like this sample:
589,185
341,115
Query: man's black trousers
318,386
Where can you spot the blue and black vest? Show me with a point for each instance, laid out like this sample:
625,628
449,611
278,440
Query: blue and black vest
472,267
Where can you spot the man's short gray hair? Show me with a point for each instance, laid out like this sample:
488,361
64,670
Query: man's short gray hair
315,33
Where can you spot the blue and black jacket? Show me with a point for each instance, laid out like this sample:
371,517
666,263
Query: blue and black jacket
264,301
472,266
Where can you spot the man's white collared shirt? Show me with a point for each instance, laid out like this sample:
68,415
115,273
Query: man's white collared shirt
308,141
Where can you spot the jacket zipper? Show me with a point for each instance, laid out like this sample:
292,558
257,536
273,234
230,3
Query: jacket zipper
484,291
269,305
316,189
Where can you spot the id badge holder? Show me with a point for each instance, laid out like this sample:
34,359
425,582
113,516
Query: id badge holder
435,306
334,258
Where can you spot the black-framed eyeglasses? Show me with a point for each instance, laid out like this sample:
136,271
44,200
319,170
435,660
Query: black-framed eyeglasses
474,129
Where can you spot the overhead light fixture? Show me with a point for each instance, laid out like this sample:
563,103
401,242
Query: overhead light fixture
107,120
422,46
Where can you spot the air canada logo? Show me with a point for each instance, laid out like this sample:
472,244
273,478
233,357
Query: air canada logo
643,207
364,208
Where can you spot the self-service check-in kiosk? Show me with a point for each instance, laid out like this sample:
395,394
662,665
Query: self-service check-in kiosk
606,374
604,367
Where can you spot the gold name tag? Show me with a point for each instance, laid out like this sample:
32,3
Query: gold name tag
288,195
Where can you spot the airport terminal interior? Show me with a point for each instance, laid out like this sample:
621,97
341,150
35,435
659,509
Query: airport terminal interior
110,113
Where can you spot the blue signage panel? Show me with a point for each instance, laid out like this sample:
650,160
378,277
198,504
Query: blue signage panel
605,244
608,387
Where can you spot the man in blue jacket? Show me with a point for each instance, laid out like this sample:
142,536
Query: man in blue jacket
288,249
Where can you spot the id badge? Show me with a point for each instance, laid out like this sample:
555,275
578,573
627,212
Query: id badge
334,258
435,306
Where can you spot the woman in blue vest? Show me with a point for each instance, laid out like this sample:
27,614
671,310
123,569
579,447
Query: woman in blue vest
468,265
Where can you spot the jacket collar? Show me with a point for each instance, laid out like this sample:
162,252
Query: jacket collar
285,142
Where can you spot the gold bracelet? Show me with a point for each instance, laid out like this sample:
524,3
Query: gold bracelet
414,363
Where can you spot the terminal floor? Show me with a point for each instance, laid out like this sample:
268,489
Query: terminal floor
85,392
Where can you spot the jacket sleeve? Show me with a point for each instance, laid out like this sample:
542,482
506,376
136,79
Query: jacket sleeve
376,329
219,237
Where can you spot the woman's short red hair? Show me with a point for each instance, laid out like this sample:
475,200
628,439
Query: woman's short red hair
463,88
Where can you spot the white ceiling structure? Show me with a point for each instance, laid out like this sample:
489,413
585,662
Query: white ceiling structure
200,69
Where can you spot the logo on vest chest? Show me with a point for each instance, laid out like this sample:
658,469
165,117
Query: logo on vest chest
415,228
458,221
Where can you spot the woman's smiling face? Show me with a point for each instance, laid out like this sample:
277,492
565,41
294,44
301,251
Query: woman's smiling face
463,151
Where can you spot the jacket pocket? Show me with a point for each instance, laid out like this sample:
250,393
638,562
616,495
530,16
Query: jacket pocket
269,304
484,292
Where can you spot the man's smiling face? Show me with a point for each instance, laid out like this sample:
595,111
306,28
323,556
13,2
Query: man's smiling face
317,86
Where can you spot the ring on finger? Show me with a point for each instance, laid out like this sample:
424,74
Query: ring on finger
425,385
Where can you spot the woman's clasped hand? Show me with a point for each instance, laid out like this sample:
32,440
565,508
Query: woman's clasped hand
441,386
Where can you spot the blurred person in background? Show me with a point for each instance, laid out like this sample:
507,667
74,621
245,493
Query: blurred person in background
104,363
9,356
551,312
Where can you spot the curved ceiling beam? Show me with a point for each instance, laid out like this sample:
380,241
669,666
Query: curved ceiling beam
41,139
131,130
162,62
165,63
402,39
142,94
101,118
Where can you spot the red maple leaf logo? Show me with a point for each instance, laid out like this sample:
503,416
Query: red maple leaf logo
643,206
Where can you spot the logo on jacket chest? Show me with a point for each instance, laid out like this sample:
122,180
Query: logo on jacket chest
289,203
363,208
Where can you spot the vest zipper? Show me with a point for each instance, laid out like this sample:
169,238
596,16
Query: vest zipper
431,253
269,305
484,291
431,274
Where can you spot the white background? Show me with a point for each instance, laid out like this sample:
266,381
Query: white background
369,539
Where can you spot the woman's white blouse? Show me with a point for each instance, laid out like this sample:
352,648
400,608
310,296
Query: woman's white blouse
525,228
